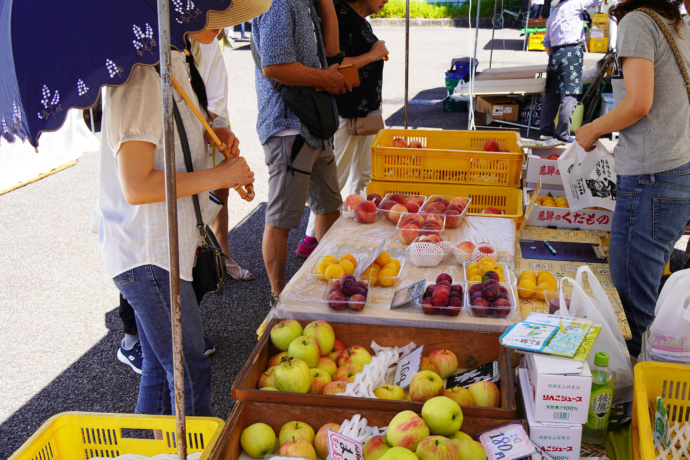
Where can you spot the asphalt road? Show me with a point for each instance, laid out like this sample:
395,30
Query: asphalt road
59,325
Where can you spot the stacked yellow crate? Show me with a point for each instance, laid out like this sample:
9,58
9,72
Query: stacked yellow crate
599,34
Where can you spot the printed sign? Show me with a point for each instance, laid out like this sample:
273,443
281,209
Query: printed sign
507,442
408,366
407,294
488,371
341,447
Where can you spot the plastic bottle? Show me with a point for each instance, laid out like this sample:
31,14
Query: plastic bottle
597,426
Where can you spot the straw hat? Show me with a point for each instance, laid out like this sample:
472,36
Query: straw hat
239,11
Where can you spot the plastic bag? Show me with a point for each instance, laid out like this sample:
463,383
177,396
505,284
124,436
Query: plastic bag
588,177
610,340
668,337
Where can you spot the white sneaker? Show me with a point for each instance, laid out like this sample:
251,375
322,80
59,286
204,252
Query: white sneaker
545,138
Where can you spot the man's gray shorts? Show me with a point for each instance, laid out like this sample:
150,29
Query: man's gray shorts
313,179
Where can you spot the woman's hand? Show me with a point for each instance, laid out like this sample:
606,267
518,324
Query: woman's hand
227,139
378,51
587,136
234,171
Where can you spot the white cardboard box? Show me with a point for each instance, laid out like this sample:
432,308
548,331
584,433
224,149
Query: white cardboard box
548,216
560,440
560,388
539,167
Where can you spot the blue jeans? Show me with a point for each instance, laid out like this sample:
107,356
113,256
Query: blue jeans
651,213
147,289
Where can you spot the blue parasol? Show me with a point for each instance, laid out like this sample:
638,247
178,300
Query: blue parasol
56,55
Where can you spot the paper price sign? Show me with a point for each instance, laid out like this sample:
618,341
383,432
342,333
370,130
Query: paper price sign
342,448
408,366
507,442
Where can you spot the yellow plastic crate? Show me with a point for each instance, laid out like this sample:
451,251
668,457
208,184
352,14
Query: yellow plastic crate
598,45
447,157
84,435
599,19
535,42
671,382
507,199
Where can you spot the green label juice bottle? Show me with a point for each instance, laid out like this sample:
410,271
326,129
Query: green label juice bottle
596,428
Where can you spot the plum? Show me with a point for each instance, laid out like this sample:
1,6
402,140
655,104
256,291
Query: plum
335,286
501,302
427,307
491,275
337,301
456,288
503,290
480,307
452,310
356,302
429,289
475,296
363,291
476,288
348,277
444,276
455,302
454,294
444,283
442,288
348,287
490,293
439,299
491,282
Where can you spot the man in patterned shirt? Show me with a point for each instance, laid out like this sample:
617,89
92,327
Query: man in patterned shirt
292,42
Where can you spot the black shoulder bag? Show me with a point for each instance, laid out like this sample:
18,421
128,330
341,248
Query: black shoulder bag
315,109
209,272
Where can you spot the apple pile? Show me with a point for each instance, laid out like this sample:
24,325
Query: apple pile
402,143
311,360
296,439
490,299
348,293
452,209
395,205
442,297
412,226
492,146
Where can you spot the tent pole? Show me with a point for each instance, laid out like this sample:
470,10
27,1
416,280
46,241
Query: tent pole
470,122
407,56
493,31
171,202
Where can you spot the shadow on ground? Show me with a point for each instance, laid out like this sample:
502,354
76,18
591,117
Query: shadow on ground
511,44
98,382
425,110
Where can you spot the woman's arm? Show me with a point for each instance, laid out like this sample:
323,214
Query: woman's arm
329,27
142,184
377,51
638,74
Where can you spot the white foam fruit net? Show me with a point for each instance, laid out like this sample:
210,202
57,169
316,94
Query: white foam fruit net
680,443
426,253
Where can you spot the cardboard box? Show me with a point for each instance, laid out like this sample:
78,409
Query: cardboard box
560,389
540,167
560,440
498,107
547,216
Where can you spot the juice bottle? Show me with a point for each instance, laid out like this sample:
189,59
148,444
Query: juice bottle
596,428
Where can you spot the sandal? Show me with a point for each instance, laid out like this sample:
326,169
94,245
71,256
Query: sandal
241,274
274,300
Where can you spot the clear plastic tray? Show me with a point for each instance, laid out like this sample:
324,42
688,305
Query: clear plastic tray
407,236
350,214
313,271
398,277
384,213
462,215
440,309
499,312
554,293
506,273
347,305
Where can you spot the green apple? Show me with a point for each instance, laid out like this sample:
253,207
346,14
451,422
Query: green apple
460,395
299,448
375,447
268,378
293,375
485,394
442,415
347,372
436,448
258,440
425,385
406,430
338,348
354,355
328,365
320,379
445,360
269,389
294,431
398,453
460,435
390,392
321,442
276,359
284,333
306,349
469,449
323,333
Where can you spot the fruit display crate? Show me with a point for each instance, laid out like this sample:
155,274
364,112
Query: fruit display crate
84,435
507,199
473,348
247,413
670,381
456,157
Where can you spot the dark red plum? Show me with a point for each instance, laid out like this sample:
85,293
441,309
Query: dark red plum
444,276
337,301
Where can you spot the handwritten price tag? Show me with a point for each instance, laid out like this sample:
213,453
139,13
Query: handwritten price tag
408,366
342,448
507,442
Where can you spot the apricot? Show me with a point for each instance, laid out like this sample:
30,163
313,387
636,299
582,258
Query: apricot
348,267
334,271
349,257
383,258
331,259
387,277
526,288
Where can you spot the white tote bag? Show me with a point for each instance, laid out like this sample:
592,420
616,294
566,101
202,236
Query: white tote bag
668,337
588,177
598,309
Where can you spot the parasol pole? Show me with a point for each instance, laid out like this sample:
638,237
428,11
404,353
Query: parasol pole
407,55
171,203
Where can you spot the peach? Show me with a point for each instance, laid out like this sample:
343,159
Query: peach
375,197
440,199
415,145
395,212
386,205
491,146
409,218
431,238
399,142
352,201
365,212
416,199
434,218
440,207
397,197
466,246
492,210
409,233
459,201
553,156
411,206
452,218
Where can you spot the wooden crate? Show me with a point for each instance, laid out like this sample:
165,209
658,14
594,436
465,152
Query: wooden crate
276,415
472,348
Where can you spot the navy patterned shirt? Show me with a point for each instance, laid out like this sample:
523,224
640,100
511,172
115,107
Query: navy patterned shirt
286,33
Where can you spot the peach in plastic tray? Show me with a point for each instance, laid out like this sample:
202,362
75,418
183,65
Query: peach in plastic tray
405,203
413,225
454,208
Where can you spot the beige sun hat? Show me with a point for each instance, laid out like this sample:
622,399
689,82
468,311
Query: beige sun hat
239,11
